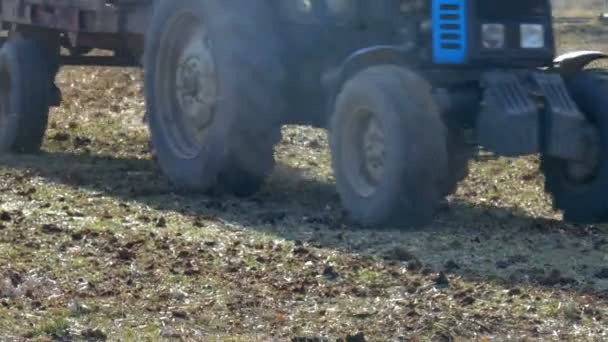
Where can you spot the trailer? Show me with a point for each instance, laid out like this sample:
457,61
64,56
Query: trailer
80,26
41,36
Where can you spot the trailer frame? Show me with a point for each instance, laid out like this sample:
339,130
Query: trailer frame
79,26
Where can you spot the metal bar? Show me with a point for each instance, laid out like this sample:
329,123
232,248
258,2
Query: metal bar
109,61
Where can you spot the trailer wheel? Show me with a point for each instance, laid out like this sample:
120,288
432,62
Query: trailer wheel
388,147
579,189
25,95
213,82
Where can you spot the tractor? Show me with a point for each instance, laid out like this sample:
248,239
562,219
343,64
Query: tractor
407,89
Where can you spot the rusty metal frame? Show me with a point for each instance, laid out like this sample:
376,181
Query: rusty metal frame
117,25
91,16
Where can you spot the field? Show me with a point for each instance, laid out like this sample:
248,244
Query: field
566,8
95,246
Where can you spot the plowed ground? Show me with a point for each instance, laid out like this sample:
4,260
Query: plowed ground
94,245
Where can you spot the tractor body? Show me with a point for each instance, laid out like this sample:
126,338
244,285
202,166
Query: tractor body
486,60
408,89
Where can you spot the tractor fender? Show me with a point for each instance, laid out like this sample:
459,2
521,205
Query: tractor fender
575,61
334,80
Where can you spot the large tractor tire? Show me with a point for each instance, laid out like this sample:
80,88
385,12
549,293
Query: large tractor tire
213,81
579,189
25,95
389,148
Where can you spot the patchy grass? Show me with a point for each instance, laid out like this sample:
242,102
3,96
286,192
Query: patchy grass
95,246
578,12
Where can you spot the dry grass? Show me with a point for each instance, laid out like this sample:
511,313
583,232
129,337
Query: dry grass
577,13
94,246
579,8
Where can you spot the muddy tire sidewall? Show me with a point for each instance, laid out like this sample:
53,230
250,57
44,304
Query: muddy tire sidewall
415,139
238,151
26,71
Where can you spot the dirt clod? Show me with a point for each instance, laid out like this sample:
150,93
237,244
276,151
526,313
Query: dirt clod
61,137
330,273
467,301
125,254
300,251
80,142
359,337
94,335
514,292
161,222
51,228
180,314
77,236
5,216
441,280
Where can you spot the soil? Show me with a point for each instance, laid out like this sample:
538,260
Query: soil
94,245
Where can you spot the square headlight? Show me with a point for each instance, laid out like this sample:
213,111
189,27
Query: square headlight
493,36
532,36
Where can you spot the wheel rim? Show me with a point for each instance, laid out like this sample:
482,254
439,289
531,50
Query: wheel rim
364,151
580,172
187,87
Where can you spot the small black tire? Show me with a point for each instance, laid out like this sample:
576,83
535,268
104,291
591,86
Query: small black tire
460,154
238,152
415,159
584,201
25,95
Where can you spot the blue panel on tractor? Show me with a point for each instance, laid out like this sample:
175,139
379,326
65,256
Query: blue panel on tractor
449,31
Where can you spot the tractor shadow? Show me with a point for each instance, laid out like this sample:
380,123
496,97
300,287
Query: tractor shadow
473,242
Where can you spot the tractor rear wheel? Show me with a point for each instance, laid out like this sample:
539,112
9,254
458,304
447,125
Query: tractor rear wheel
389,148
213,82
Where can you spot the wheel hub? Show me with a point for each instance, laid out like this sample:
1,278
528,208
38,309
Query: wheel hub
374,150
196,86
364,152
